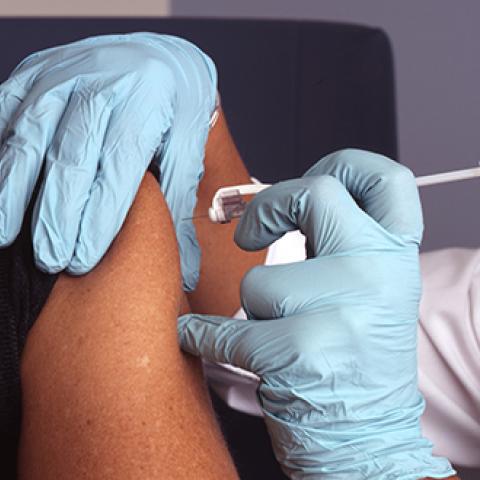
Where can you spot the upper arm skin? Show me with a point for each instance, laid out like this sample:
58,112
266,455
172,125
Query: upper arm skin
223,263
107,393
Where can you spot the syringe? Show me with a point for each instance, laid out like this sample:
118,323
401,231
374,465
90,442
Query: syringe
227,203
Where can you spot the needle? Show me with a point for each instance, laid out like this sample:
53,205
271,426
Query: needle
195,217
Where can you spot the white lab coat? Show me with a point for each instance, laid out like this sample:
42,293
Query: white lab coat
448,351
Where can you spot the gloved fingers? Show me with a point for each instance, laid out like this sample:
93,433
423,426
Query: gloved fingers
127,150
21,156
258,347
386,190
181,169
70,168
319,206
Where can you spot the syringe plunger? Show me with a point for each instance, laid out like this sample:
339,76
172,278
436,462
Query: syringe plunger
228,202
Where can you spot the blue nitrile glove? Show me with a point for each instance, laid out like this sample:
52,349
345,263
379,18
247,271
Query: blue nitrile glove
333,339
94,113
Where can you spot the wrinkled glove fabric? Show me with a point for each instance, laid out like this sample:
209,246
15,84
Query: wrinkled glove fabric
333,338
93,115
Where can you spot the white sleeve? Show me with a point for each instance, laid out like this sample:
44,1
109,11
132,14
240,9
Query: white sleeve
237,387
449,353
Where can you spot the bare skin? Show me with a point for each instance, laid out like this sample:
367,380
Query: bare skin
106,391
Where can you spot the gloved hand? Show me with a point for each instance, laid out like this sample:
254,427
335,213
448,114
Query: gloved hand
94,114
333,339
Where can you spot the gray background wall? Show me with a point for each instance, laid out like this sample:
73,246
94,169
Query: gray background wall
97,8
437,56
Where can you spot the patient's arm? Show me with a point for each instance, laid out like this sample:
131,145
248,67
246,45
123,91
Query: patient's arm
107,394
106,391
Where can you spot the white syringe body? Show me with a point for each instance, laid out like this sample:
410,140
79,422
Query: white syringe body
217,215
